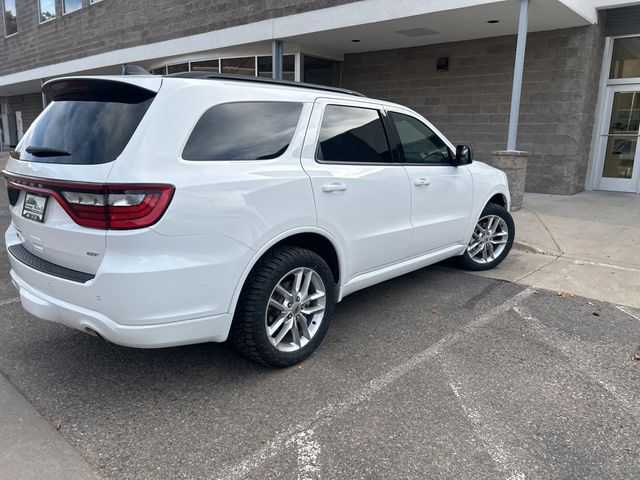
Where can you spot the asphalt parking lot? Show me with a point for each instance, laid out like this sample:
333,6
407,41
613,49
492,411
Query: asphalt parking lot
437,374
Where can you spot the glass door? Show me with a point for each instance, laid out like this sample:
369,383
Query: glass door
619,149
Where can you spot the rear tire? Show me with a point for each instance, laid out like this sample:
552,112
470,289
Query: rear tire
491,240
285,307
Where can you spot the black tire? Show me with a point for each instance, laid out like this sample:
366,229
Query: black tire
468,263
249,327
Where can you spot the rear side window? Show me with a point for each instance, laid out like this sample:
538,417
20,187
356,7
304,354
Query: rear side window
88,122
243,131
352,135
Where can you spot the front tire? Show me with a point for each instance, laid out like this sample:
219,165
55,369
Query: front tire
491,240
285,307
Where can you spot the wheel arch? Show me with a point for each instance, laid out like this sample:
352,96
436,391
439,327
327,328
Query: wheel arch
315,239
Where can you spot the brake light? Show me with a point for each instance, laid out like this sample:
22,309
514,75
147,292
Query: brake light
114,207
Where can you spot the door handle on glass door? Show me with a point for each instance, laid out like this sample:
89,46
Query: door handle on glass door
421,182
334,187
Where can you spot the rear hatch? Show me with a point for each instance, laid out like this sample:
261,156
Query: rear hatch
56,176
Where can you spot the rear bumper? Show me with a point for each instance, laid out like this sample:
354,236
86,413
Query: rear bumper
212,328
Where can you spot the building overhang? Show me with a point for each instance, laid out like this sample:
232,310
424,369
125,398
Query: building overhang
378,24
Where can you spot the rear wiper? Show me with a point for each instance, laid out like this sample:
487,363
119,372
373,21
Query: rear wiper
46,152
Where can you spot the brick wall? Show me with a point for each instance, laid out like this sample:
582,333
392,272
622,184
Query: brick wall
115,24
470,102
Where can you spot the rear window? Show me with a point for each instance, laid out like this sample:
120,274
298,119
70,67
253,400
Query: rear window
243,131
88,123
352,135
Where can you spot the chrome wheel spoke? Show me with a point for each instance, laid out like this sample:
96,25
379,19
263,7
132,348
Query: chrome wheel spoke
313,310
314,297
284,292
304,291
295,333
276,304
283,331
304,328
273,328
297,284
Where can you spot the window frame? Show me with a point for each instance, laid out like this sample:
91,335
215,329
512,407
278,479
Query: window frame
381,113
206,110
64,12
55,7
398,144
4,20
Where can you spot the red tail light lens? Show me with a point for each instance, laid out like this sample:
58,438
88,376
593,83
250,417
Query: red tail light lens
113,207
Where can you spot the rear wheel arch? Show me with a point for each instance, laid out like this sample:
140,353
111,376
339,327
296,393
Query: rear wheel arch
318,241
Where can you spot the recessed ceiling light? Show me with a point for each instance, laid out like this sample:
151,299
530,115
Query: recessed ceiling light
355,40
493,21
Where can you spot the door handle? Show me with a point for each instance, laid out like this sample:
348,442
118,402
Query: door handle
334,187
421,182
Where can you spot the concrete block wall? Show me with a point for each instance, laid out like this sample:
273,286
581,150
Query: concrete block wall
29,105
115,24
470,102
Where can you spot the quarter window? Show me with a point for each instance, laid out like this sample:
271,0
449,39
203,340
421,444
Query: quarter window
352,135
419,143
243,131
71,5
10,17
47,10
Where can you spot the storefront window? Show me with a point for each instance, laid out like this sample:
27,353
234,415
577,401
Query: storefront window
321,71
181,67
239,66
210,66
265,67
625,60
10,19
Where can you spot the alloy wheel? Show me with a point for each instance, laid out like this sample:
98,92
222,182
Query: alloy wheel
295,309
488,240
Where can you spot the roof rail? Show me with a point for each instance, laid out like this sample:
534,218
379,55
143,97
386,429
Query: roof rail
244,78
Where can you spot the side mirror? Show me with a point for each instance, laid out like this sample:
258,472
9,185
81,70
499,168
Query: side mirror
464,155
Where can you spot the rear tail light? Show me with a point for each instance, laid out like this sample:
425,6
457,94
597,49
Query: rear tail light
114,207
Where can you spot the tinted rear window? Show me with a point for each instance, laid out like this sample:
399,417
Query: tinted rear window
352,135
92,125
243,131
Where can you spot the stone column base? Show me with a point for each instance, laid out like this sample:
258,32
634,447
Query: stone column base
514,164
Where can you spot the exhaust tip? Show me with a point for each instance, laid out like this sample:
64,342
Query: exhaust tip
92,332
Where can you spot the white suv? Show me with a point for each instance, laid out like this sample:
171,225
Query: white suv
161,211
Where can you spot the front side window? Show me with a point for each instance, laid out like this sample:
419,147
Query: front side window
47,10
10,17
243,131
352,135
71,5
418,142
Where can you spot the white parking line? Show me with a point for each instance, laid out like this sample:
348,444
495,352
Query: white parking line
494,448
9,301
328,413
628,311
570,348
308,451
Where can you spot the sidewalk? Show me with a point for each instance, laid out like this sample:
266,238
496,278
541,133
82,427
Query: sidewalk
586,244
30,448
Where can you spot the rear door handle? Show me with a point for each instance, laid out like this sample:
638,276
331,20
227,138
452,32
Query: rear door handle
334,187
421,182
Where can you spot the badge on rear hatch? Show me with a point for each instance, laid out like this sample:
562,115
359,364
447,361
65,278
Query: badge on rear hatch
34,207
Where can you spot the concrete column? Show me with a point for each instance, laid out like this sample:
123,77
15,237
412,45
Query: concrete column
277,53
514,164
518,70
